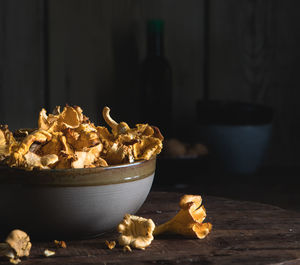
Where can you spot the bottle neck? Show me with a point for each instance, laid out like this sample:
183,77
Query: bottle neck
155,44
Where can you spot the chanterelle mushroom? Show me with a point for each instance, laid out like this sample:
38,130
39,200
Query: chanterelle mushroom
117,128
136,231
68,139
7,142
188,221
130,144
17,245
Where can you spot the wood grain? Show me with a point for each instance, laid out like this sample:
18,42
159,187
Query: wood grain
96,50
184,46
21,62
253,58
243,233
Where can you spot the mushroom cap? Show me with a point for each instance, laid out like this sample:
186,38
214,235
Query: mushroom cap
19,241
136,231
189,220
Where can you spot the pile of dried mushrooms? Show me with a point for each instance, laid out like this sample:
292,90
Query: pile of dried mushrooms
67,139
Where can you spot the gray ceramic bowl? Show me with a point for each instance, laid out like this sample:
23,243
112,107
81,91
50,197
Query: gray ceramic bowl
237,134
72,203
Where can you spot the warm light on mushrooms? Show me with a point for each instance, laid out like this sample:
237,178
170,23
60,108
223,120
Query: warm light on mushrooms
16,245
7,142
67,139
60,243
188,221
48,253
117,128
110,244
136,231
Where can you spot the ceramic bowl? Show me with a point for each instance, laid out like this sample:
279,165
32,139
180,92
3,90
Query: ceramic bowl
237,134
72,203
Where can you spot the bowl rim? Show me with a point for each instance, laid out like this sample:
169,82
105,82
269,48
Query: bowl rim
115,174
219,112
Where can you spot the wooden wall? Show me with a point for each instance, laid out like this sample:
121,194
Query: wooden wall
254,57
21,62
96,48
88,53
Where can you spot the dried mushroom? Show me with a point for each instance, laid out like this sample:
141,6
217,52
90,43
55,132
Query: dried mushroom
17,245
67,139
117,128
189,220
60,243
17,156
48,253
174,148
110,244
33,160
136,231
142,142
7,142
119,153
147,148
127,249
87,157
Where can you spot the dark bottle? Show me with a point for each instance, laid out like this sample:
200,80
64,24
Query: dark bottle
156,81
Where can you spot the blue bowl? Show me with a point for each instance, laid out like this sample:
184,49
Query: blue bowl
237,134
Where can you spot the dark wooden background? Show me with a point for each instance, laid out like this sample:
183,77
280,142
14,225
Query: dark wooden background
88,53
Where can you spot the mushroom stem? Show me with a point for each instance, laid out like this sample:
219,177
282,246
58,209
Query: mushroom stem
188,221
112,123
117,128
163,228
177,225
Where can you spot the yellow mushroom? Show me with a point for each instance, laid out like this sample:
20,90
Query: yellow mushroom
66,139
60,244
48,253
117,128
17,245
33,160
127,249
118,153
110,244
147,148
17,156
136,231
49,122
188,221
70,117
87,157
7,142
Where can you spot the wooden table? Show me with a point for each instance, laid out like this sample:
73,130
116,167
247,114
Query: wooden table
243,233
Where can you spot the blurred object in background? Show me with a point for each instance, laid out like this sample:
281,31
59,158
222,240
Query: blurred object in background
237,134
174,148
181,162
156,81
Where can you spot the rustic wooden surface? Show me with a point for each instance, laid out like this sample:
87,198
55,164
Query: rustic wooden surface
243,233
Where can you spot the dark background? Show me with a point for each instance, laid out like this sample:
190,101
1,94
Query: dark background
88,53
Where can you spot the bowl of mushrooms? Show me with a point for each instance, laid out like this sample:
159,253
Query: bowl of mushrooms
69,178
